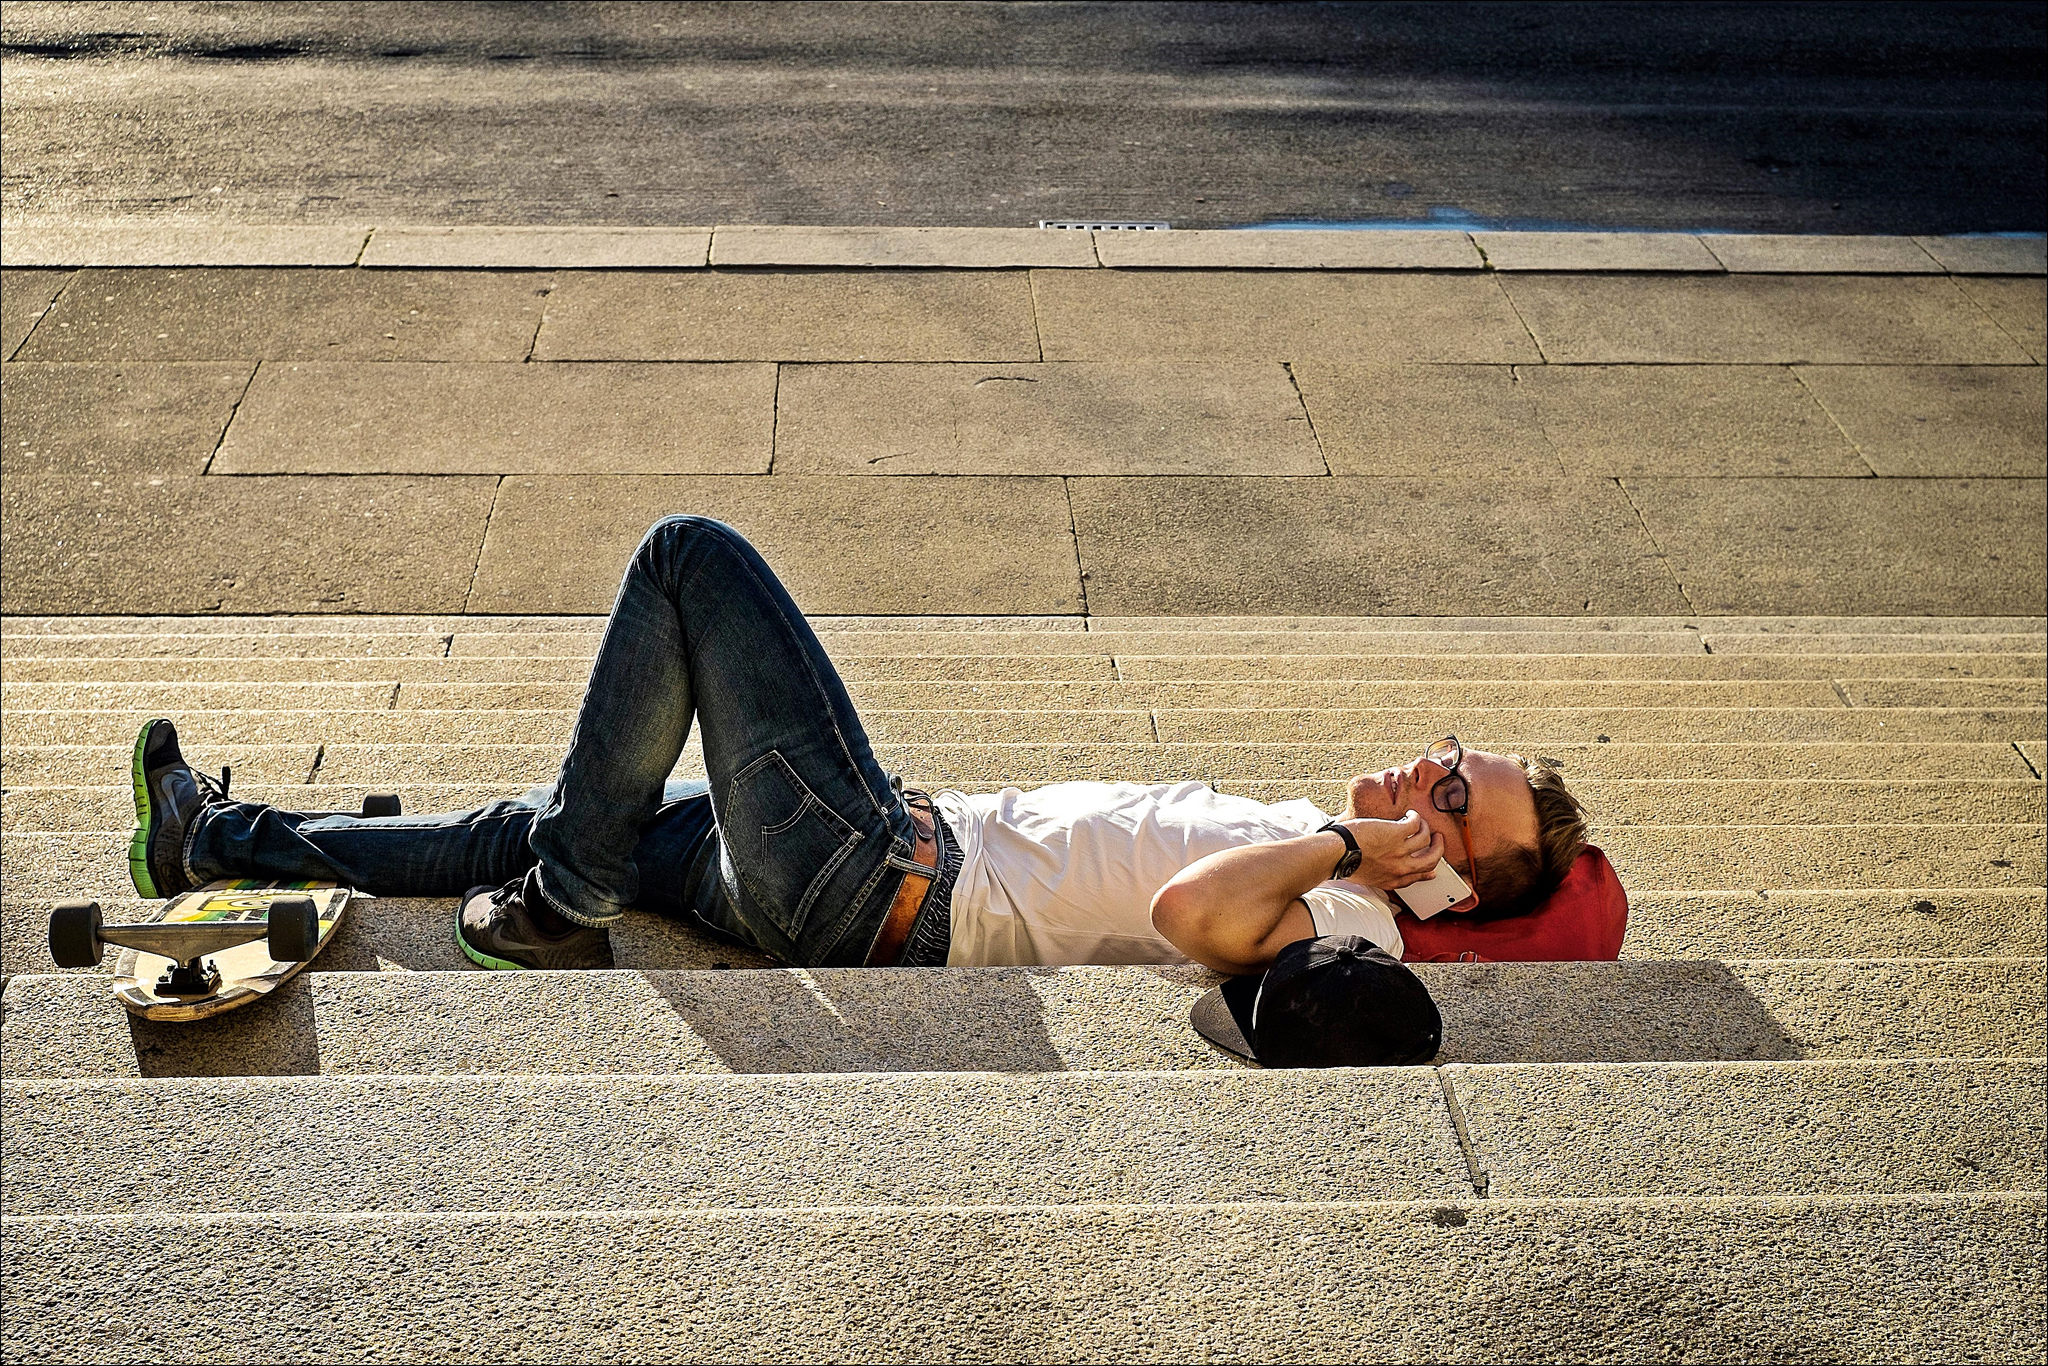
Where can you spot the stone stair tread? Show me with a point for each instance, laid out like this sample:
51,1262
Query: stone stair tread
941,667
998,763
230,623
1748,1278
1862,856
392,934
243,1145
485,644
1013,1019
1126,724
1613,801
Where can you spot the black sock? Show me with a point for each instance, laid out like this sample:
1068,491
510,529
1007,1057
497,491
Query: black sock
547,919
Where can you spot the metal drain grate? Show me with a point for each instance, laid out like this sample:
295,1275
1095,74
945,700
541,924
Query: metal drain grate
1101,225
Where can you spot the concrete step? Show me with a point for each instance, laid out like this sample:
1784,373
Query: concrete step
1488,726
243,1145
1010,1019
1070,694
951,694
1864,1278
1933,922
1687,857
1849,669
1629,801
980,765
346,638
584,624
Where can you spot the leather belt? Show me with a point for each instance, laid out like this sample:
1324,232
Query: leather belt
902,917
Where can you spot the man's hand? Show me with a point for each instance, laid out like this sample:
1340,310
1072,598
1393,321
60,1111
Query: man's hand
1395,853
1236,908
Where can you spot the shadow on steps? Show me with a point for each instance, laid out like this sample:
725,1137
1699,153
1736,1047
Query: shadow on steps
1010,1019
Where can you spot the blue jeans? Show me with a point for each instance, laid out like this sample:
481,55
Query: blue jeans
796,845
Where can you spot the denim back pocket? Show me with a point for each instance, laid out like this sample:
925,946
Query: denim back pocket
784,843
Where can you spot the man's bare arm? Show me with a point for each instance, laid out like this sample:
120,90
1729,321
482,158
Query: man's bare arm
1236,909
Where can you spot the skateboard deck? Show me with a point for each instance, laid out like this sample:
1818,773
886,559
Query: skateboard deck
247,971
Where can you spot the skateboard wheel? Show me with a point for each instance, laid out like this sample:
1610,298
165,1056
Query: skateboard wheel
294,929
75,934
381,804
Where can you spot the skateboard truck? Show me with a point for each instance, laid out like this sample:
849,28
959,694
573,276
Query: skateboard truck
78,937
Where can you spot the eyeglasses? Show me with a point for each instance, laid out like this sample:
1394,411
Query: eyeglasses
1452,795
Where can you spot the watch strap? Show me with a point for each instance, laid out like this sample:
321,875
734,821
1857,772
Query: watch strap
1353,855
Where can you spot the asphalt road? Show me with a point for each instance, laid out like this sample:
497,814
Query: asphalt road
1777,117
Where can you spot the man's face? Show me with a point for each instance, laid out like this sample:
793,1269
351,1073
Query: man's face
1501,812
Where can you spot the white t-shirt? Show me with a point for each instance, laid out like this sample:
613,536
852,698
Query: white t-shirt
1065,874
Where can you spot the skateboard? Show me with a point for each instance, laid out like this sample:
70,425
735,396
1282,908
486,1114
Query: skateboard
206,951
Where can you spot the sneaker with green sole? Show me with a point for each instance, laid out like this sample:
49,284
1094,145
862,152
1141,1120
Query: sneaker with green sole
169,794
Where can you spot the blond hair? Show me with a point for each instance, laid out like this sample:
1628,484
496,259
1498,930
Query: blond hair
1515,881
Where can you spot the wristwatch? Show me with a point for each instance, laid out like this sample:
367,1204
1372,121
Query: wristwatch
1347,865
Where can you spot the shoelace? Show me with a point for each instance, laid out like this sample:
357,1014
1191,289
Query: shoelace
209,789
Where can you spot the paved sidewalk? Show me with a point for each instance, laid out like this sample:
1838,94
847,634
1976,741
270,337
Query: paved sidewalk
1036,440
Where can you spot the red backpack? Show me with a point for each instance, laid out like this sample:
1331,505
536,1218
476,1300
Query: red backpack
1582,921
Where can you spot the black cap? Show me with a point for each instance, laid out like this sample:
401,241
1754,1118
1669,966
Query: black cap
1341,1001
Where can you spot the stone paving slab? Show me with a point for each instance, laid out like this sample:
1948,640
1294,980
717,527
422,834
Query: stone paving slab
1480,725
115,421
938,691
403,418
1923,624
44,241
1559,668
1854,672
816,316
1761,545
1989,255
1793,253
24,295
390,934
912,725
989,765
351,545
1296,249
1934,636
476,644
1932,922
1601,251
1382,1134
1009,1019
1451,1282
1759,319
1788,644
350,638
327,315
1556,545
1277,315
1686,420
1735,858
1446,420
954,248
1939,420
1304,653
905,545
1209,418
1613,802
2020,307
1837,1128
537,248
239,1146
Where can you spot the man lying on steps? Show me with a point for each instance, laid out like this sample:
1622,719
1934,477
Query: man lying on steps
803,847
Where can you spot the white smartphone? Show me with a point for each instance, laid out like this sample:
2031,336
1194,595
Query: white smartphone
1443,890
